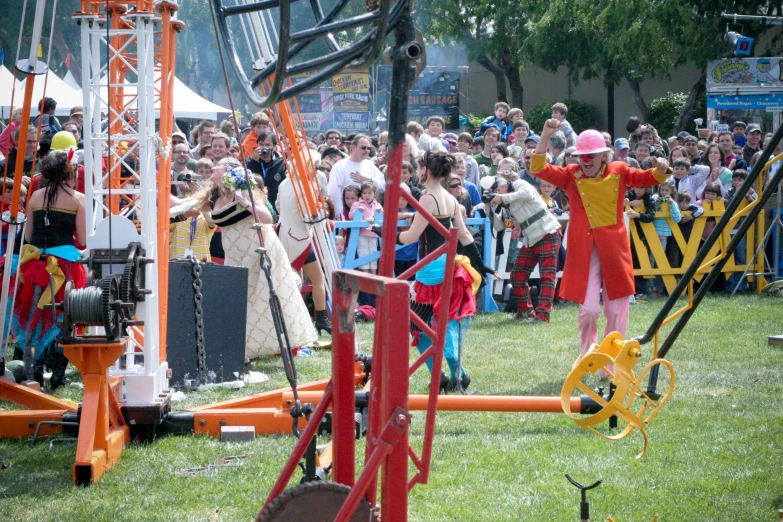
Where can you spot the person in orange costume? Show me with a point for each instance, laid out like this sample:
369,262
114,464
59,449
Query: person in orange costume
599,251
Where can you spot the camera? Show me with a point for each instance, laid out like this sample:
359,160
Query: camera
265,151
489,187
188,177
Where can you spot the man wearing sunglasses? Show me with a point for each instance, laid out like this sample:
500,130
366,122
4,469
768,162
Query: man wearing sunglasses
355,170
334,139
599,251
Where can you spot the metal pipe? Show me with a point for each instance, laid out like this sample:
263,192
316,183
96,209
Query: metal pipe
764,20
492,403
701,255
32,59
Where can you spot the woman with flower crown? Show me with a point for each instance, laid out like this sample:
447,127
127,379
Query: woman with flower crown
228,199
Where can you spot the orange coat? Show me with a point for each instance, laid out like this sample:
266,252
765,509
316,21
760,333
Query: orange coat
596,218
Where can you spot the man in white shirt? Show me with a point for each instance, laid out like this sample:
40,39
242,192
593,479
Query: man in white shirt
354,170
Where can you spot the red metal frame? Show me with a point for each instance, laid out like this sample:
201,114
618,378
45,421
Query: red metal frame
387,446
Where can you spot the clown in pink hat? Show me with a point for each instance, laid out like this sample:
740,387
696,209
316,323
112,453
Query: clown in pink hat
599,252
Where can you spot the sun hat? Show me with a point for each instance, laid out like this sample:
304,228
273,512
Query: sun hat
590,142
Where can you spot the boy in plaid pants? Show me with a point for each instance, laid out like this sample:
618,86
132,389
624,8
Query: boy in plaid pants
539,244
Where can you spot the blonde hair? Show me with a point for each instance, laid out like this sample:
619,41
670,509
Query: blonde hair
510,162
209,193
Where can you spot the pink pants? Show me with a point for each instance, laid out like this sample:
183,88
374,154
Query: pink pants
615,310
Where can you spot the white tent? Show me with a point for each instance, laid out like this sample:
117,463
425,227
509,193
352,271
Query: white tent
71,82
7,83
55,88
187,103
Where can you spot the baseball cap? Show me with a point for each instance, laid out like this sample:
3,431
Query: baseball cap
621,143
246,128
450,137
77,111
180,135
753,127
533,137
683,135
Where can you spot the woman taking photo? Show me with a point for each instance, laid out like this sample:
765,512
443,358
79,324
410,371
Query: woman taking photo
228,199
56,214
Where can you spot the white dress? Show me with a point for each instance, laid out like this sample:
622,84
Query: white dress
240,242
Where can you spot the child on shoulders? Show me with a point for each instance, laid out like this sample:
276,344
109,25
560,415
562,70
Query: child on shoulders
497,120
368,240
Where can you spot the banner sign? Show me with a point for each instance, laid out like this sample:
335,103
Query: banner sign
749,101
435,93
312,121
745,72
309,102
351,82
352,101
352,121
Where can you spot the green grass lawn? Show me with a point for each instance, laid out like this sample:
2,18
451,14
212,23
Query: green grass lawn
716,450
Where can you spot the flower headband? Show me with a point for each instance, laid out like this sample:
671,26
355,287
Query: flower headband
234,179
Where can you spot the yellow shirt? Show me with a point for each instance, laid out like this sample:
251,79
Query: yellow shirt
191,237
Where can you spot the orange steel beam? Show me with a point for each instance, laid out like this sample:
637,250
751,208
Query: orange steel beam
266,421
167,61
494,403
273,399
20,424
102,430
270,420
30,399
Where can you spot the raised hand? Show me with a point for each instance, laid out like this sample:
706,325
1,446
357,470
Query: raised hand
551,126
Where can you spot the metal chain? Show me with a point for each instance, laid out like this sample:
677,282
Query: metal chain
197,298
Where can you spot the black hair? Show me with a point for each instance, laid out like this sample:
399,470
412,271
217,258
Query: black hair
331,152
352,188
47,104
681,162
55,170
438,164
501,148
264,135
632,124
368,185
740,173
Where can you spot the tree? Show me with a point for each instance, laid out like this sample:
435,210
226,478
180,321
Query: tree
64,38
489,30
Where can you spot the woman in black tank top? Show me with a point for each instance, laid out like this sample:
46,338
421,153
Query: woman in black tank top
56,216
433,169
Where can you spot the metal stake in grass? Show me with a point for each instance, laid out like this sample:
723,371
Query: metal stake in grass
584,506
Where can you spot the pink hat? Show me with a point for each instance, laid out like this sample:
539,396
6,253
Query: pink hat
590,142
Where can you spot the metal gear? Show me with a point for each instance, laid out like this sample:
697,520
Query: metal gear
315,502
130,284
111,322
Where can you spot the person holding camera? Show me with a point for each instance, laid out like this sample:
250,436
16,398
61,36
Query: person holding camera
268,164
599,252
539,245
